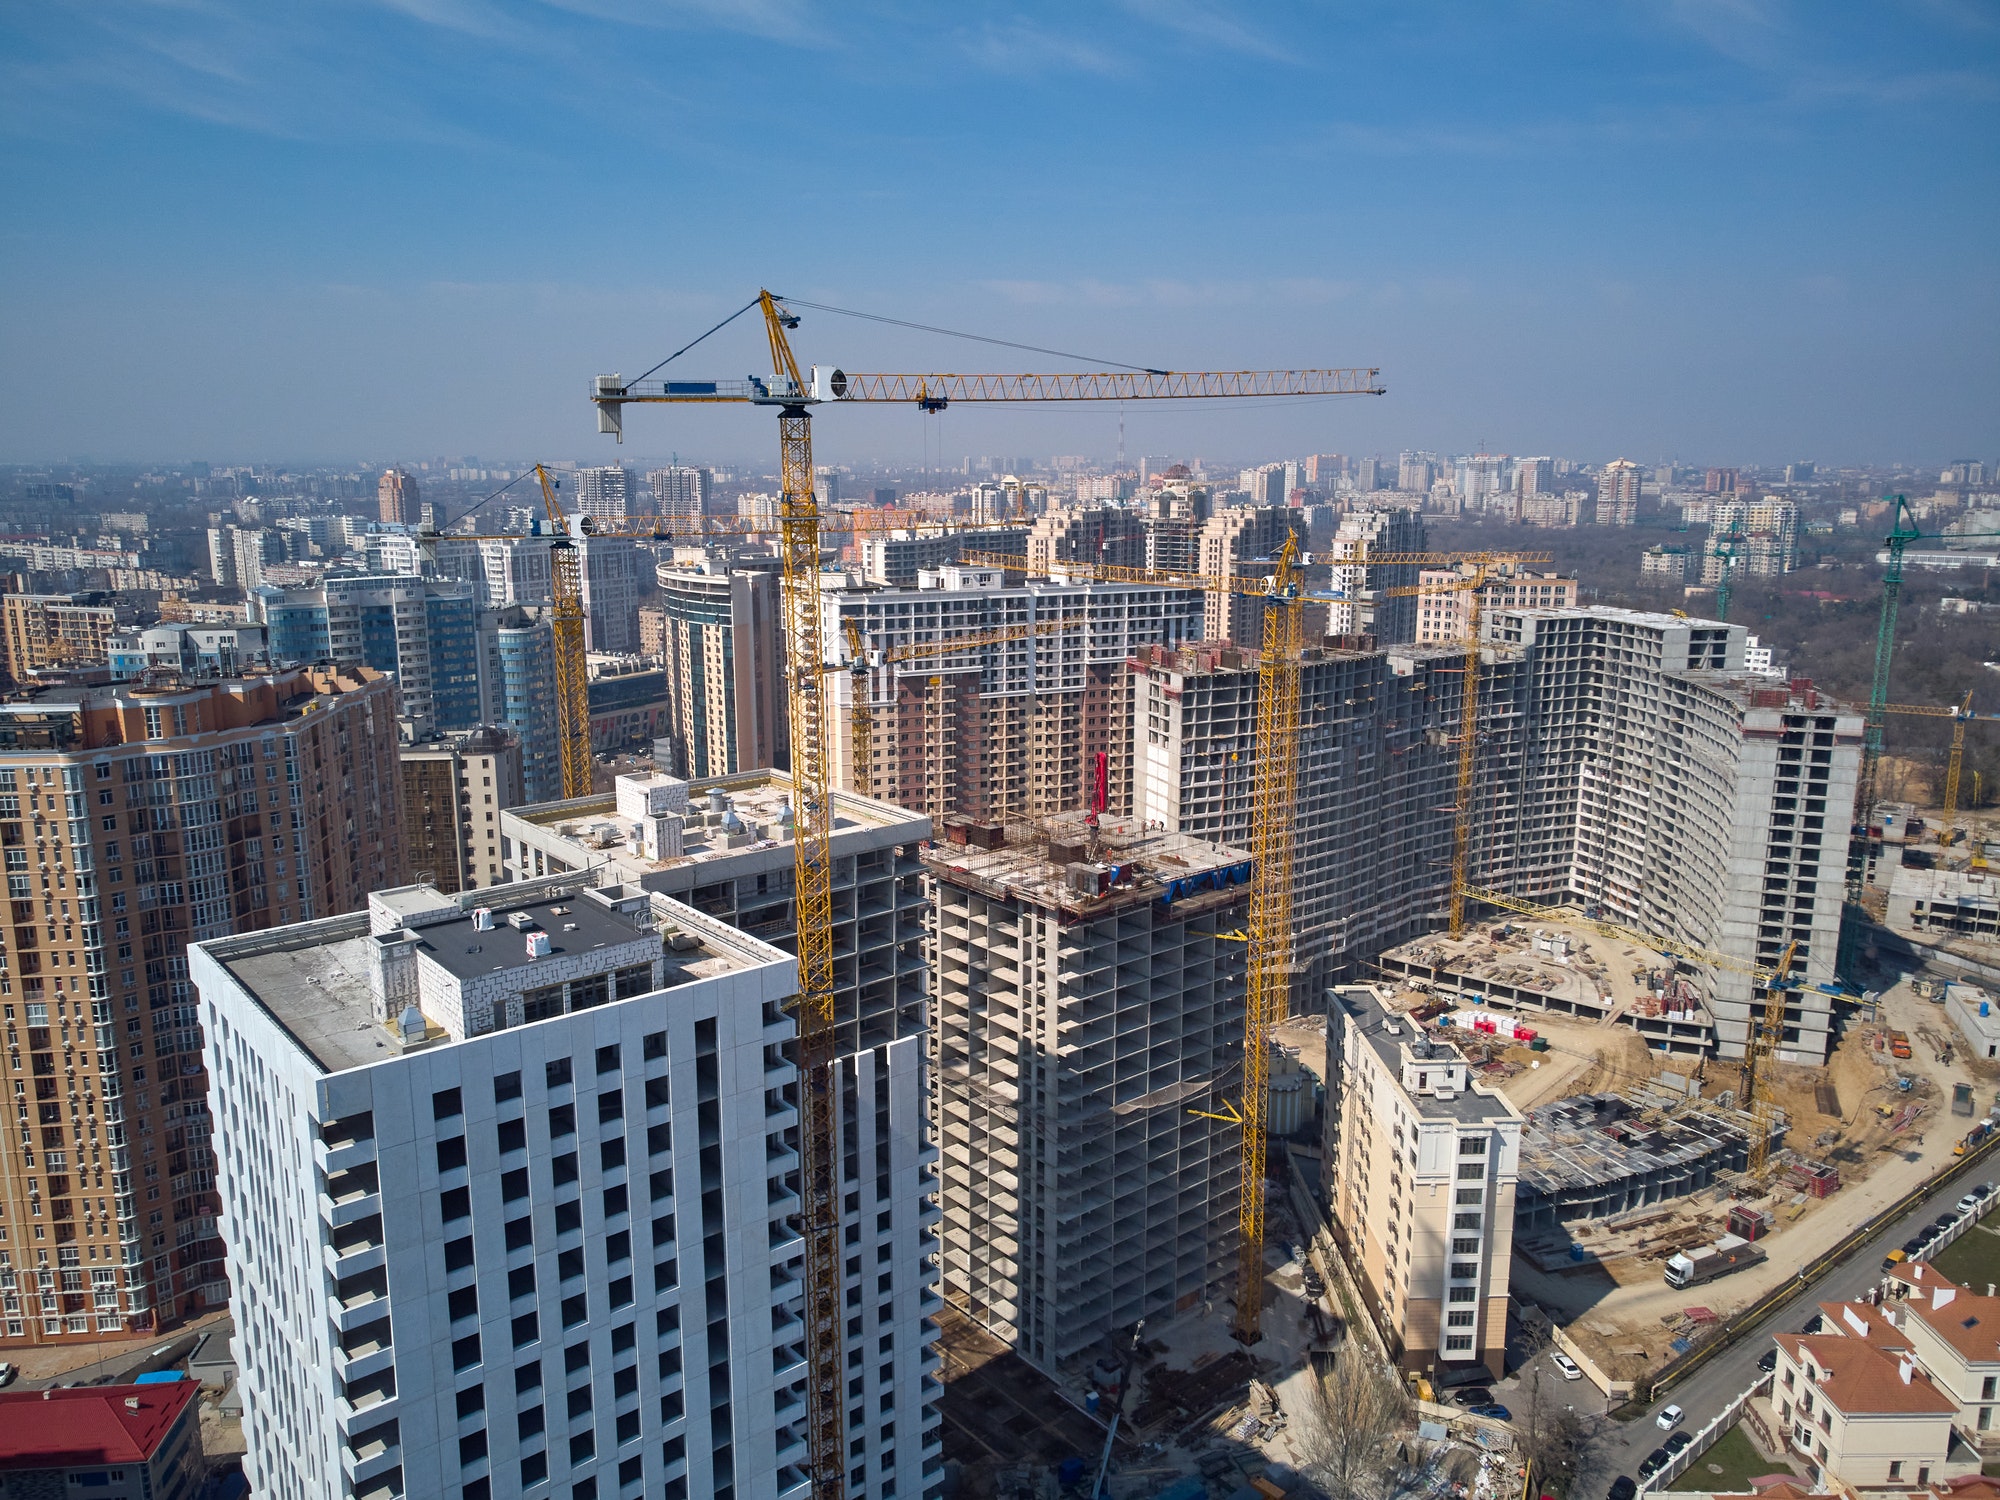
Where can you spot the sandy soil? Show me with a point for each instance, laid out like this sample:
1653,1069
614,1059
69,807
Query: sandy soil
1877,1168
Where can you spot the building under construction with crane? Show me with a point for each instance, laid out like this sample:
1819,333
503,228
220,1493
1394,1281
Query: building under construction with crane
1088,987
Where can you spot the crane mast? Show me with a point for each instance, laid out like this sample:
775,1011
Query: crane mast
572,664
806,680
1269,989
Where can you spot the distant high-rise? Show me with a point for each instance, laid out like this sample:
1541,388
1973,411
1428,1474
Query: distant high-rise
420,630
724,662
604,494
1370,610
454,789
396,495
682,493
1235,543
1618,486
1534,476
1322,469
613,569
1416,473
1367,474
518,689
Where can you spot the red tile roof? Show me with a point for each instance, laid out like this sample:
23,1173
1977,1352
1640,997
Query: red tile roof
1864,1380
89,1424
1971,1325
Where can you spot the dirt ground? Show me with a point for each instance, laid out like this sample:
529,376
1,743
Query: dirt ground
1626,1306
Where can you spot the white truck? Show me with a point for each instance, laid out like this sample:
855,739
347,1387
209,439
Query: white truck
1730,1253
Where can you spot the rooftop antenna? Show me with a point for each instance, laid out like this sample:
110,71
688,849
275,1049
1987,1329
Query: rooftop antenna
1121,434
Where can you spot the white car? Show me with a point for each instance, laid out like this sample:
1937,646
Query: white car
1669,1419
1571,1370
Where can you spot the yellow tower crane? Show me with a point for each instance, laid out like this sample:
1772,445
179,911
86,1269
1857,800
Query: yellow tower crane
1275,795
793,396
861,717
1960,717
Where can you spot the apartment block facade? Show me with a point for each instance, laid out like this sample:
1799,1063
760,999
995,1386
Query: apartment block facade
454,789
724,849
511,1194
1377,778
1005,730
723,651
1366,606
134,821
1239,543
1087,1007
1624,760
58,630
1441,616
1677,792
423,631
1421,1168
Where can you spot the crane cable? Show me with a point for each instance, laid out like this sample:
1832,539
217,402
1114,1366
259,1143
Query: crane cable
978,338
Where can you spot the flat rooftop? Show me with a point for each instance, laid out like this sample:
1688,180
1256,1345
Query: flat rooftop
1467,1106
574,926
1606,1138
313,979
1137,866
757,797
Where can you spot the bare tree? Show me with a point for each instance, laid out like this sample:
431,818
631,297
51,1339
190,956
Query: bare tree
1351,1437
1553,1435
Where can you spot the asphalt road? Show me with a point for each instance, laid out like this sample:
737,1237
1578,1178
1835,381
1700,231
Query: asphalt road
1704,1394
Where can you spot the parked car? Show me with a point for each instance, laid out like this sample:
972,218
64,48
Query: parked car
1677,1442
1622,1488
1968,1203
9,1374
1983,1191
1493,1411
1653,1463
1914,1246
1768,1361
1472,1395
1943,1222
1571,1370
1670,1418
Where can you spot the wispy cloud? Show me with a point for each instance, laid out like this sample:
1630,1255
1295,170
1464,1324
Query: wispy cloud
1812,60
1027,48
1209,26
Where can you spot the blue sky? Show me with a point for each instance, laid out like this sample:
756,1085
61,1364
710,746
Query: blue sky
1726,230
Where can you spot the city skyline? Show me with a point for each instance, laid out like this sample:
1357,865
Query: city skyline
387,229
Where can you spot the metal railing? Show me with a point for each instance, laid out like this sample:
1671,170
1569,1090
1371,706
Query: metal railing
1705,1439
1785,1293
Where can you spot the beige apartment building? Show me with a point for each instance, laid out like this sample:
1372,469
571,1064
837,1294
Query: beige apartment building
1441,616
58,630
133,821
454,790
1423,1165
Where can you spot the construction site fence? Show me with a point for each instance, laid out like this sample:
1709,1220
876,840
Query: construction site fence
1746,1322
1706,1438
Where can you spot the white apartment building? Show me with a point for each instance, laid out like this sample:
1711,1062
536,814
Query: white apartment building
1003,730
507,570
1362,608
604,493
507,1199
1757,536
681,492
1441,616
1673,790
1089,1028
1421,1169
734,864
614,570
